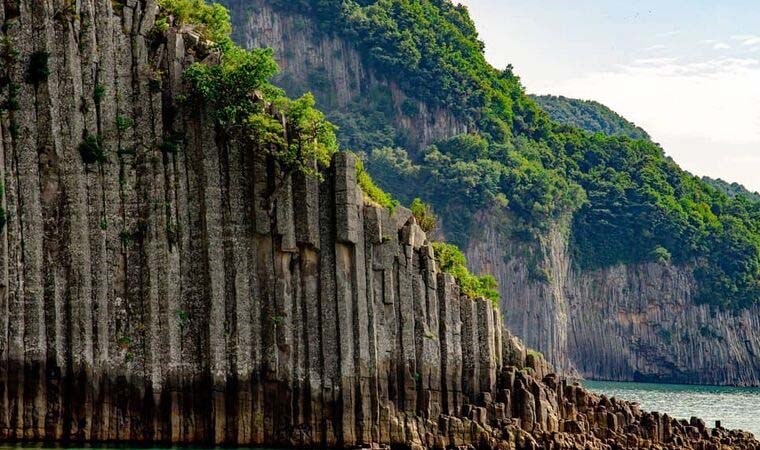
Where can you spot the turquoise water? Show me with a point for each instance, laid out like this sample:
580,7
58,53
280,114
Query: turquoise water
735,407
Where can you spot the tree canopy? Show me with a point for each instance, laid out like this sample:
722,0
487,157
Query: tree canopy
588,115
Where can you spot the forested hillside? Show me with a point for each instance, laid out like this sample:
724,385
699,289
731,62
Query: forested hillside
617,190
588,115
732,189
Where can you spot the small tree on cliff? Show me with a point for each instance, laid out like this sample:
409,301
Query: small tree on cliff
292,134
424,215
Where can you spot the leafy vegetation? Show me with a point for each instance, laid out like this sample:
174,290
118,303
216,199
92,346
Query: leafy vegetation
588,115
453,261
732,189
123,123
212,19
424,215
91,150
629,203
243,102
98,93
371,190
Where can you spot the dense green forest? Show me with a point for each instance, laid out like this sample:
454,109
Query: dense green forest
629,203
588,115
732,189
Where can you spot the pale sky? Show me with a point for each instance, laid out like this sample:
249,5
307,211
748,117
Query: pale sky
687,71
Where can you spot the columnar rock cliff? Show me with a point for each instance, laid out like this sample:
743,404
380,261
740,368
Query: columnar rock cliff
154,296
646,326
187,291
636,322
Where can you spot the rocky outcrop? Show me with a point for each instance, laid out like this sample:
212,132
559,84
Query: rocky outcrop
153,295
628,323
312,60
644,324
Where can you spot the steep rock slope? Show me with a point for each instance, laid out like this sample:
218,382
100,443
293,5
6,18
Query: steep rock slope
545,297
634,322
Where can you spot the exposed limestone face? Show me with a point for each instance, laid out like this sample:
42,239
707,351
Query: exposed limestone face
637,322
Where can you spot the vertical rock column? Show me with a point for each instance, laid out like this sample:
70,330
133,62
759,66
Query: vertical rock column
450,334
346,240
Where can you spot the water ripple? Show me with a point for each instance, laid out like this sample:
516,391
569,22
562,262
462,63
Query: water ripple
734,407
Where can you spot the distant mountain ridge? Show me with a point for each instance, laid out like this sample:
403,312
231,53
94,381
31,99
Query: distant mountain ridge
595,117
732,189
588,115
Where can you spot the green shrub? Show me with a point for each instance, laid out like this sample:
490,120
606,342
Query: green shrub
91,150
213,20
38,70
162,24
371,190
536,355
661,255
409,108
123,123
98,94
424,215
452,261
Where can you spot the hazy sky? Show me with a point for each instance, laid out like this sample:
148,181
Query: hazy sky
687,71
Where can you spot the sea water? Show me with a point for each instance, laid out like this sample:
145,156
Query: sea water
734,407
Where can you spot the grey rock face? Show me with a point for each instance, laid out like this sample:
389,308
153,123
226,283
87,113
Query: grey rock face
626,323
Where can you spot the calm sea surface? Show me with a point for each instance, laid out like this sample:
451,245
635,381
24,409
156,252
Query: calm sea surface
735,407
